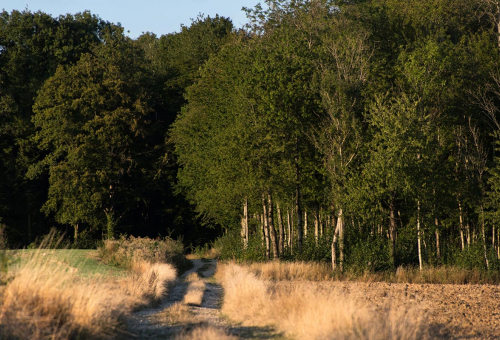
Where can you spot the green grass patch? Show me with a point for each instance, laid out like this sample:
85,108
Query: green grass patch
85,262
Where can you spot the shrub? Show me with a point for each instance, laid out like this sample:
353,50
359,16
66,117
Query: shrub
127,250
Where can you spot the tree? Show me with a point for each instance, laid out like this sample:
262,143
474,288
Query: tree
91,119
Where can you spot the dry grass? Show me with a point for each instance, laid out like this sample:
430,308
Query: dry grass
310,271
306,312
314,271
48,300
206,333
195,290
178,313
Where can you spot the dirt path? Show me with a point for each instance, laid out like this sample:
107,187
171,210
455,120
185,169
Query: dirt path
172,317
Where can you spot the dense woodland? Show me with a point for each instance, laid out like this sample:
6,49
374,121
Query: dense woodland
365,133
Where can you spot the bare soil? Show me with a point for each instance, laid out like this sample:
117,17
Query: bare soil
451,311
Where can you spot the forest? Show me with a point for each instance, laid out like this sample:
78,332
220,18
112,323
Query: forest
364,134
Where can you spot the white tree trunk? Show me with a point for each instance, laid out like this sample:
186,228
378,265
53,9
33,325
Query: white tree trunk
418,237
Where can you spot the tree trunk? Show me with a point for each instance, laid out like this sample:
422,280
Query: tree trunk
483,231
321,225
438,250
305,223
281,230
418,237
299,218
461,219
290,231
266,228
245,224
341,240
262,229
337,242
392,227
76,233
334,247
316,224
274,239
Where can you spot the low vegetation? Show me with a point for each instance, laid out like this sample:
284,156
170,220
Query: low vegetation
45,296
206,332
307,312
195,290
124,251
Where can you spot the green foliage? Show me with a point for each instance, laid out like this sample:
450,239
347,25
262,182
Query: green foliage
230,247
369,255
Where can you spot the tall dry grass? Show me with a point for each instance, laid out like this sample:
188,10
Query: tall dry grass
279,271
48,300
205,332
315,271
195,290
306,312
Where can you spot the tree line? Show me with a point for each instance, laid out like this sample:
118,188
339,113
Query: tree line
361,132
364,133
84,115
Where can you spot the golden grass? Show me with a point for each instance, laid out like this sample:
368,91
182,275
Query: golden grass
178,313
48,300
314,271
306,312
206,333
311,271
195,290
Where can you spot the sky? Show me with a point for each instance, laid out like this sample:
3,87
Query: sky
138,16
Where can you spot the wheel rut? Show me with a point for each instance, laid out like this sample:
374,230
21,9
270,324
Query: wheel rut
172,317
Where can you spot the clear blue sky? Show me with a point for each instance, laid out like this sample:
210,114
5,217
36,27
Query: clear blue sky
139,16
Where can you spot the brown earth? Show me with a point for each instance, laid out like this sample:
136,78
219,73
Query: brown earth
451,311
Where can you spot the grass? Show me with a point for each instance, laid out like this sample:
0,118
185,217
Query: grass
63,294
176,314
306,312
84,262
195,290
319,271
205,332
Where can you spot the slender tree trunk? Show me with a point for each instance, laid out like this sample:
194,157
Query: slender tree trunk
461,219
76,232
245,218
341,240
290,231
334,247
316,224
438,250
321,225
262,229
299,218
305,223
483,231
392,227
266,228
337,243
468,236
274,239
418,237
498,245
281,230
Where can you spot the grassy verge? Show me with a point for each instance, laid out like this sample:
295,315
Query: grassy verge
64,294
316,271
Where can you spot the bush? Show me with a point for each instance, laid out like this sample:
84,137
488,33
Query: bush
370,255
230,247
127,250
